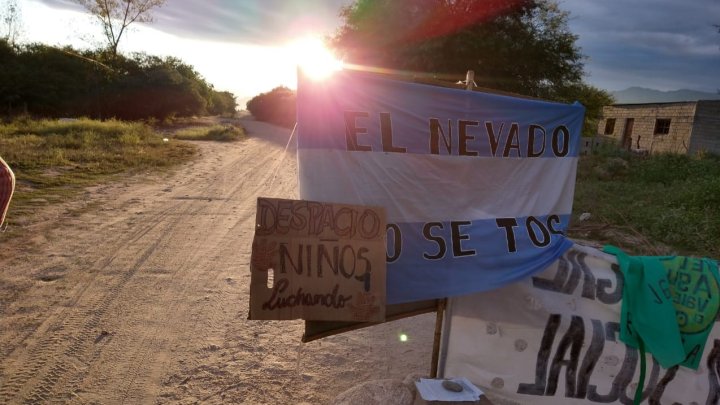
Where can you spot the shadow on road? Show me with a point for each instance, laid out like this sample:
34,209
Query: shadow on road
269,132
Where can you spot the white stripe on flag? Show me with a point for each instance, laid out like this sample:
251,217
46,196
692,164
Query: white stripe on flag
438,188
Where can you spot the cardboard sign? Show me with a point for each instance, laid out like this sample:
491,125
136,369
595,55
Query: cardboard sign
554,339
318,261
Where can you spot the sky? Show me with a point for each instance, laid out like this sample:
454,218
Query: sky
241,45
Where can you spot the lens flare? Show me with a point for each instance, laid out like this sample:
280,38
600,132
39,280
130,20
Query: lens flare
314,58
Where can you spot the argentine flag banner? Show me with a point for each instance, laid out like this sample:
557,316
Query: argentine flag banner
478,187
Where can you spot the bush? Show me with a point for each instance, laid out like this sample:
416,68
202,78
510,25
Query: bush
222,133
276,106
61,82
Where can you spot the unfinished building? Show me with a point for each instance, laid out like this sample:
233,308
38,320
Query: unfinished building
689,127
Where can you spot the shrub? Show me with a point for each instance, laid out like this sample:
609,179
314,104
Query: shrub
276,106
222,133
61,82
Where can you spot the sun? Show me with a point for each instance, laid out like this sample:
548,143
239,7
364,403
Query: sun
314,58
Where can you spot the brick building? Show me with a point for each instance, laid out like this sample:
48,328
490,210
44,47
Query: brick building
680,127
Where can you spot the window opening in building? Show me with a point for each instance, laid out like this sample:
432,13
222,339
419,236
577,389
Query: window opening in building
662,126
609,126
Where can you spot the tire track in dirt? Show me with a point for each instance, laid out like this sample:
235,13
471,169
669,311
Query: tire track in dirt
152,303
81,288
136,390
38,366
75,323
258,176
78,344
133,392
138,350
53,334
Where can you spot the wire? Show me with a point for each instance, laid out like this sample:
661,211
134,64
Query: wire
277,167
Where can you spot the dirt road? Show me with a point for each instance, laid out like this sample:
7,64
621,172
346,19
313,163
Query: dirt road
138,294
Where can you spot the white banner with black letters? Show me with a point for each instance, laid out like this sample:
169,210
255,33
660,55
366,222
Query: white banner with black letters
553,339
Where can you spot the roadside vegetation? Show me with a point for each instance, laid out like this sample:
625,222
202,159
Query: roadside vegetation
276,107
221,133
649,205
48,81
54,160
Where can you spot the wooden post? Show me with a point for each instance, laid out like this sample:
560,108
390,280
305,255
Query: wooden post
437,338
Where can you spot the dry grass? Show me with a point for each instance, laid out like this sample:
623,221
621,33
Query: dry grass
222,133
53,160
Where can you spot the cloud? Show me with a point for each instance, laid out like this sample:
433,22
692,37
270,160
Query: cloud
668,43
663,44
262,22
640,20
638,66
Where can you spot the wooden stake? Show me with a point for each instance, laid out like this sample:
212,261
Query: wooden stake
437,338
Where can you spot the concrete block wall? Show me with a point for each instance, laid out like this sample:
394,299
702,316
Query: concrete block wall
706,127
681,117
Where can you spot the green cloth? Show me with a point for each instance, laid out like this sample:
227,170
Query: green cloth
670,302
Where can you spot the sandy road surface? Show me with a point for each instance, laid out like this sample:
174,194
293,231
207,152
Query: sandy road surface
142,297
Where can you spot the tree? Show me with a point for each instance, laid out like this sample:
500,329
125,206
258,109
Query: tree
519,46
522,46
11,20
56,82
278,106
222,102
592,98
116,16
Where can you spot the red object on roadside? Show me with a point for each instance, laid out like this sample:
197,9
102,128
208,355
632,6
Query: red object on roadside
7,186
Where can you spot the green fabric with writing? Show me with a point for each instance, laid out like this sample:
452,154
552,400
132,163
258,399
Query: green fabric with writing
671,303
